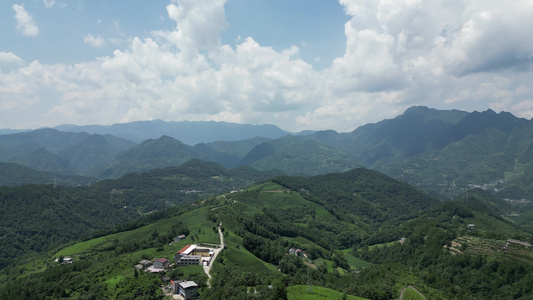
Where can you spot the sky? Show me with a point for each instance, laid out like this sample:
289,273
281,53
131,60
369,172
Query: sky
297,64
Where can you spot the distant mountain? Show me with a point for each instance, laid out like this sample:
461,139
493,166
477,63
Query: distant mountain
418,129
478,122
444,152
60,152
43,160
190,133
299,156
486,150
14,174
95,150
229,154
17,144
10,131
150,154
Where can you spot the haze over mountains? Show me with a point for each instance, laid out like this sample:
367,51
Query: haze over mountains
449,190
444,152
190,133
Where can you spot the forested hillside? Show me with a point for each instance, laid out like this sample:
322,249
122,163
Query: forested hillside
362,234
60,152
443,152
36,218
12,174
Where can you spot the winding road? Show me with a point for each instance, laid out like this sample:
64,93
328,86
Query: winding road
207,269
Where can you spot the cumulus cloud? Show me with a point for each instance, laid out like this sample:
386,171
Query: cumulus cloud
446,54
10,58
198,23
460,54
49,3
95,41
25,22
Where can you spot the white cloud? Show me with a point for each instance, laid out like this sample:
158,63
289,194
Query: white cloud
10,58
25,22
524,109
441,54
199,23
444,54
49,3
95,41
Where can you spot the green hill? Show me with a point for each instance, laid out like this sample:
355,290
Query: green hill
36,218
348,225
94,150
61,152
296,155
150,154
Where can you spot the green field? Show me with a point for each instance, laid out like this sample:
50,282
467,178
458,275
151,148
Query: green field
195,220
272,195
241,259
302,292
410,293
353,261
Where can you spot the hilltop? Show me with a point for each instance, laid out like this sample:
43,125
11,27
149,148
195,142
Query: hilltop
36,218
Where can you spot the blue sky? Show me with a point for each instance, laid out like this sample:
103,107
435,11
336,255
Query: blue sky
316,26
313,64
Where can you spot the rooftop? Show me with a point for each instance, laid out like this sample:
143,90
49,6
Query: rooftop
187,249
188,284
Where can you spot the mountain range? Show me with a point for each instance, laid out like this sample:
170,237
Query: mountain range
444,152
188,132
364,210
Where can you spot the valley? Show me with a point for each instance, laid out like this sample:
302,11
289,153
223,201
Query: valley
384,212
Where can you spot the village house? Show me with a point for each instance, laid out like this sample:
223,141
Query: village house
297,252
193,255
67,260
179,237
186,289
145,263
160,263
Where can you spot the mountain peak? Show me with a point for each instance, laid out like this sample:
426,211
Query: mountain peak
416,110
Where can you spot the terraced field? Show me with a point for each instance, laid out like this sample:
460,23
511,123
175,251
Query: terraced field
490,247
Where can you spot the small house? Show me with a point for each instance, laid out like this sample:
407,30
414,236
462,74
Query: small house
145,263
471,226
160,263
179,237
67,260
187,289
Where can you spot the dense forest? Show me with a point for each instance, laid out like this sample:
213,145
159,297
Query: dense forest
37,218
359,234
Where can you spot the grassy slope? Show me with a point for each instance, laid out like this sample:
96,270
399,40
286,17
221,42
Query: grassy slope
194,220
411,294
241,259
302,292
274,196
